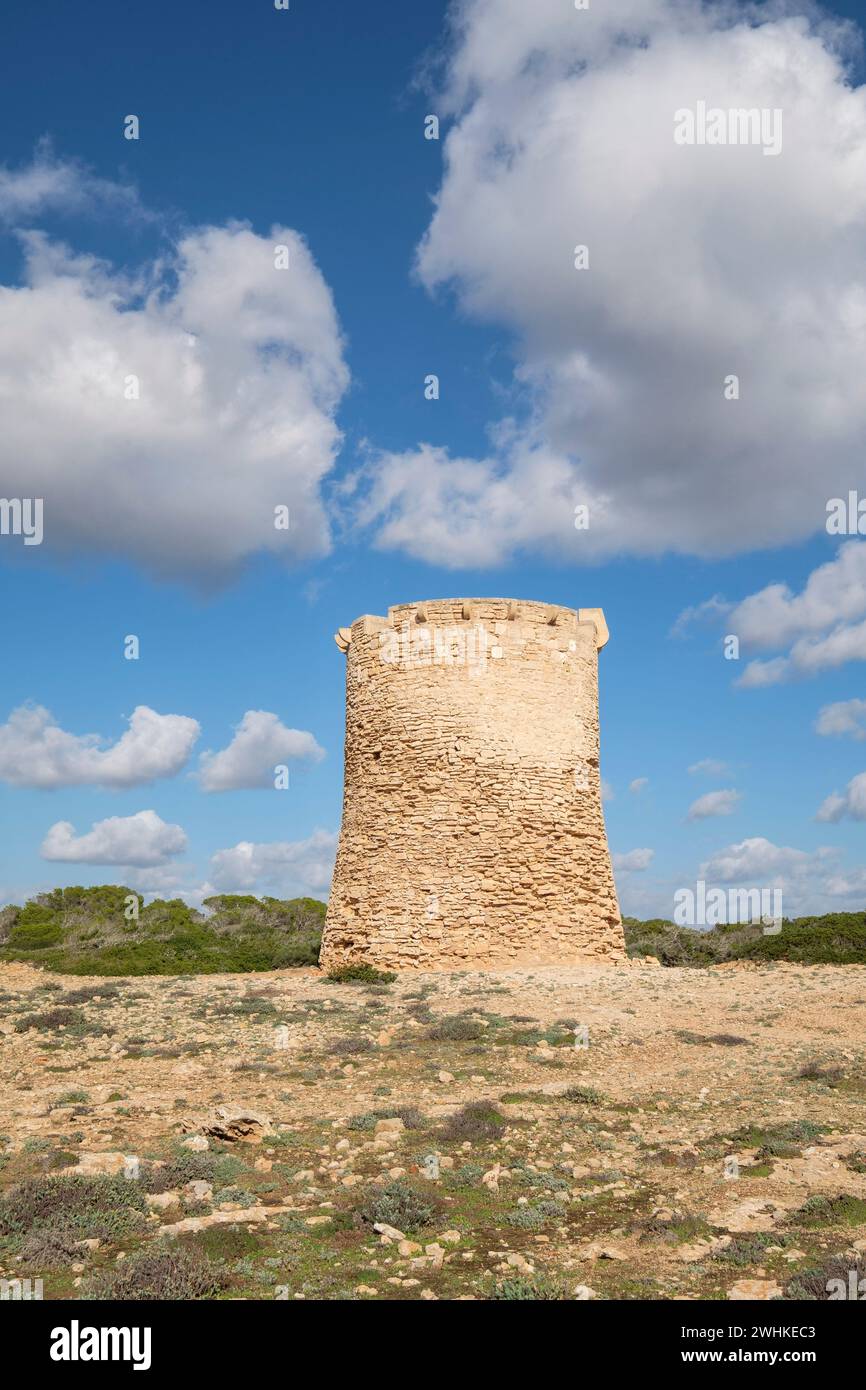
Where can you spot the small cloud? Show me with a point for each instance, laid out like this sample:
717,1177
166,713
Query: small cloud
720,803
283,865
759,674
144,840
758,860
261,742
312,589
50,183
852,803
607,792
844,717
701,614
710,767
638,784
634,861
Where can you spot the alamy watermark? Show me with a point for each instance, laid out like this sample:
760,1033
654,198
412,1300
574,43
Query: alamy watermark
713,907
457,645
846,516
735,126
22,516
20,1290
855,1289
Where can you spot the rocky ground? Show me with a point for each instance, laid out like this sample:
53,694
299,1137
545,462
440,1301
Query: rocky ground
617,1133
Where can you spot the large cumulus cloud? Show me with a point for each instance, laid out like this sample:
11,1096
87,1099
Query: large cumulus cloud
239,372
703,262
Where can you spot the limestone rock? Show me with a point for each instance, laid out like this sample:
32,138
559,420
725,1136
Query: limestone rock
238,1122
751,1289
196,1142
99,1164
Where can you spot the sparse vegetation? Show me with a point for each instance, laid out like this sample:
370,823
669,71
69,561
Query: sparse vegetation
477,1122
361,975
73,1207
840,1210
538,1288
817,1283
457,1028
400,1205
505,1187
152,1276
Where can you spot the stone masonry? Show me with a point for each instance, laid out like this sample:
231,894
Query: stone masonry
473,832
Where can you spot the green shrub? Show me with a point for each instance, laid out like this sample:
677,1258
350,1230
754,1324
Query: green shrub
827,1074
409,1114
399,1204
583,1095
190,1167
73,1206
238,1195
811,1284
778,1141
523,1289
457,1028
361,975
837,938
476,1122
50,1248
36,936
83,931
467,1175
350,1047
154,1276
841,1210
531,1218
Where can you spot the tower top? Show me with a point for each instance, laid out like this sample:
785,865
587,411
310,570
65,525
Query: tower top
452,611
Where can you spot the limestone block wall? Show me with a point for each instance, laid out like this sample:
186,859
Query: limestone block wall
473,832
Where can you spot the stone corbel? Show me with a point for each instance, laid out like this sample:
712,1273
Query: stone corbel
595,615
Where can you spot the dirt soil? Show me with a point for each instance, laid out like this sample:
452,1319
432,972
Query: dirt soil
631,1131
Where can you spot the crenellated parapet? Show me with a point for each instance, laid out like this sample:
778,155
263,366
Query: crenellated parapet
490,611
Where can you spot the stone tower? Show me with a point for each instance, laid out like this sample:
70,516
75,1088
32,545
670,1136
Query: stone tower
473,833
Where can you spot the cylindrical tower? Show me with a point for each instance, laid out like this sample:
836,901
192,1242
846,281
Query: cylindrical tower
473,832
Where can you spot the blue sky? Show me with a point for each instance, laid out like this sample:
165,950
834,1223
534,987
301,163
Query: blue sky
152,257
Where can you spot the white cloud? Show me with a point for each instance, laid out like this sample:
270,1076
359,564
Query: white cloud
812,881
284,866
823,626
759,674
843,717
454,511
634,861
852,803
51,184
638,784
710,767
240,371
260,743
36,752
701,613
143,840
607,791
849,884
703,262
834,594
720,803
756,860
